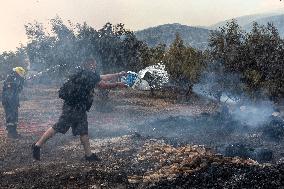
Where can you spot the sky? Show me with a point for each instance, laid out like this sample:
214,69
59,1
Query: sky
135,14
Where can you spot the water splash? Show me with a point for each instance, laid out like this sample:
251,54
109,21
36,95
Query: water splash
158,77
46,71
228,99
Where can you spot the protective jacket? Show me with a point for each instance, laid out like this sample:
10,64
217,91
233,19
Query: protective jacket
12,87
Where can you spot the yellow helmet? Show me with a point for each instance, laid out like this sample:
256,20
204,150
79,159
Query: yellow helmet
20,70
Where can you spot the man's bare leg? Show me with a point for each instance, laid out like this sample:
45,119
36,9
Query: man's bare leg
89,156
36,147
47,135
86,144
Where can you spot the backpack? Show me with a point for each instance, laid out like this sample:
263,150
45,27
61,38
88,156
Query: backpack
75,90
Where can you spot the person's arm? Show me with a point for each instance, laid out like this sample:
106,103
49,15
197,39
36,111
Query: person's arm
109,77
106,85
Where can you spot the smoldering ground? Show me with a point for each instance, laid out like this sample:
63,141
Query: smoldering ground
230,129
229,90
135,117
122,155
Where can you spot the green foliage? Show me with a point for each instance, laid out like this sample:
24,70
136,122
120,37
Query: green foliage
9,60
151,56
114,47
226,45
257,56
184,64
118,48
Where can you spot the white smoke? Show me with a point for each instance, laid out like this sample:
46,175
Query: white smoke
227,89
255,114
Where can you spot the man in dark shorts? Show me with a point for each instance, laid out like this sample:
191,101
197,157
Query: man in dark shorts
77,94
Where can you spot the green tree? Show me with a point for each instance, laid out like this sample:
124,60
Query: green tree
152,55
118,48
264,62
114,47
256,56
226,45
184,64
9,60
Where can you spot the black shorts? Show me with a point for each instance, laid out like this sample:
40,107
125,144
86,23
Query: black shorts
72,117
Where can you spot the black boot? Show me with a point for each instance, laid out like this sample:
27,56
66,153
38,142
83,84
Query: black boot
12,132
92,158
36,152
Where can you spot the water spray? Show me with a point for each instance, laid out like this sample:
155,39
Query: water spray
48,70
138,81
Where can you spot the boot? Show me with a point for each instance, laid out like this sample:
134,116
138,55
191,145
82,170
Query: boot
12,132
36,152
92,158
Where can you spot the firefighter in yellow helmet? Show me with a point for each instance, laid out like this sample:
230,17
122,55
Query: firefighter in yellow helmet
12,87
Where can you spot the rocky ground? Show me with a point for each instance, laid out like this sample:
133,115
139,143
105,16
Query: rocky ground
131,157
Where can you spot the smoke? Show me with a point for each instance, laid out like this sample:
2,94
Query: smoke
45,72
227,89
255,114
215,82
228,99
208,86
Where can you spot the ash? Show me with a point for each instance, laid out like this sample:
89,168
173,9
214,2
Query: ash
179,145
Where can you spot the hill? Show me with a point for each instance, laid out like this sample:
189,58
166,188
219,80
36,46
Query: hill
165,34
246,21
278,22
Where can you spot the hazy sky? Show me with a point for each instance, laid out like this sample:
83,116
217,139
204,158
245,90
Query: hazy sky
135,14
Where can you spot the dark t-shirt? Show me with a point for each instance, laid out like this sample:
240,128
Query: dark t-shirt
78,90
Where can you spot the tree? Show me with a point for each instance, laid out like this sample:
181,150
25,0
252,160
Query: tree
265,67
152,55
226,45
256,56
114,47
118,48
184,64
9,60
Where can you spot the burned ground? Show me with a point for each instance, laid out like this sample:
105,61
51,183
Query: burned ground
143,143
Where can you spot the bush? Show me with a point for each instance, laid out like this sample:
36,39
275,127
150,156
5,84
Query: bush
114,47
184,64
257,56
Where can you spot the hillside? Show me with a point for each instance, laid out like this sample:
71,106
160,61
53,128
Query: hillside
277,18
243,20
165,34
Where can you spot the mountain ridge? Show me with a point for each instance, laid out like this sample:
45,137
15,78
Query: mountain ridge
165,34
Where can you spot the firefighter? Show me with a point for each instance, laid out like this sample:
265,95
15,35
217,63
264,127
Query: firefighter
12,87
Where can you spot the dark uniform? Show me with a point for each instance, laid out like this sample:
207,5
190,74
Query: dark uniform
77,94
12,87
